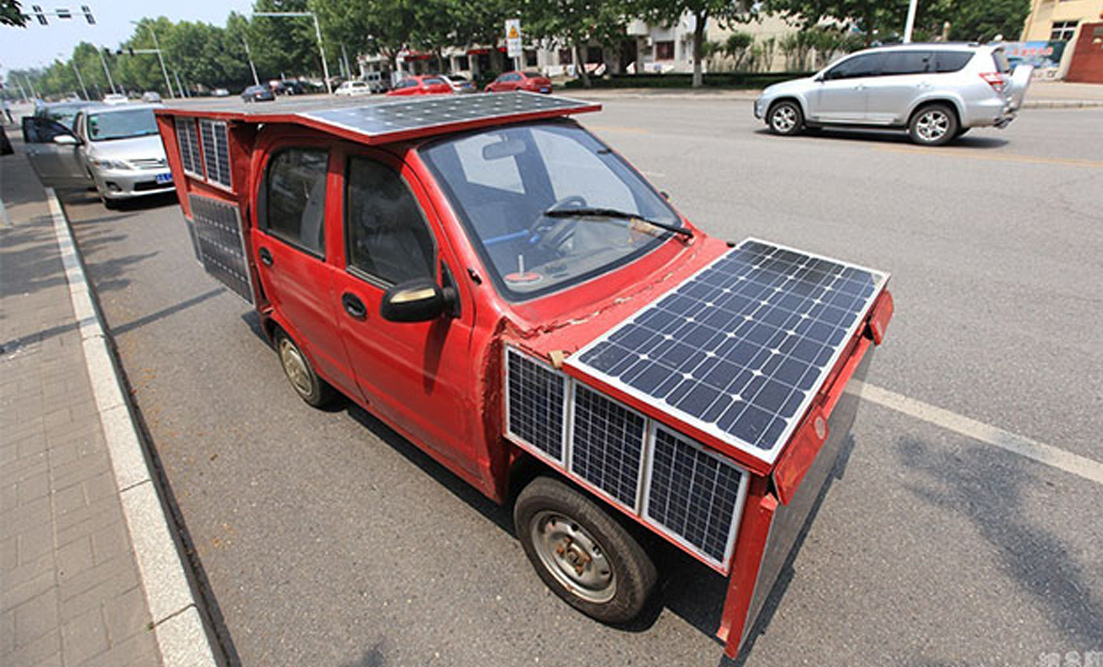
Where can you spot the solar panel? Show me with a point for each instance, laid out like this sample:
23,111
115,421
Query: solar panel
216,151
694,495
607,441
740,349
535,398
438,110
187,139
217,236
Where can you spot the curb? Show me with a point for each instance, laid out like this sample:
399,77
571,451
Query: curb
177,625
1062,104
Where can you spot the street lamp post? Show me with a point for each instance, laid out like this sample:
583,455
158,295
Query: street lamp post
317,33
249,55
910,25
107,71
160,58
80,79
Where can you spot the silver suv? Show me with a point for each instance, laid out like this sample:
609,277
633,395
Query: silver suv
935,91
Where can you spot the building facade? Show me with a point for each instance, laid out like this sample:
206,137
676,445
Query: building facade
1073,25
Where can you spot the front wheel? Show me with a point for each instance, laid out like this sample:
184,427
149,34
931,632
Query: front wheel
786,118
933,125
581,553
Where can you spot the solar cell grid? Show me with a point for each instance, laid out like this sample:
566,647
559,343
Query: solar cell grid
607,445
535,404
740,348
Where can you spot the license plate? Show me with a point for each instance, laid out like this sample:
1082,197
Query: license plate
164,178
545,90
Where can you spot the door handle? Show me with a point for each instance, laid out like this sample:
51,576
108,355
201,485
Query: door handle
265,257
354,306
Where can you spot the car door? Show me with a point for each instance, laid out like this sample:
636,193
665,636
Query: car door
290,241
841,93
57,164
417,375
905,75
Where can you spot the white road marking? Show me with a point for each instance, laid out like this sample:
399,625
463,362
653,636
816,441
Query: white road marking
1032,449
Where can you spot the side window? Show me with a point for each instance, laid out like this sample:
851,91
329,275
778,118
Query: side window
858,66
385,233
951,61
906,62
295,198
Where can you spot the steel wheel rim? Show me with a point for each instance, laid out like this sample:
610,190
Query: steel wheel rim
784,118
573,557
294,366
932,125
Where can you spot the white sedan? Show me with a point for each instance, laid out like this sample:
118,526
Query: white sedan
352,89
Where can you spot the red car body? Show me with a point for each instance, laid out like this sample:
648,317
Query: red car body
409,374
420,85
532,82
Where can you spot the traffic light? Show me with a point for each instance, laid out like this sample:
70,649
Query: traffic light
63,13
88,14
39,14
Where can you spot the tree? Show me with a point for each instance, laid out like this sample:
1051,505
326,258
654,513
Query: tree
575,23
12,14
669,12
284,46
981,21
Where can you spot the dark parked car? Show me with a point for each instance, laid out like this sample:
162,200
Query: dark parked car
258,94
533,82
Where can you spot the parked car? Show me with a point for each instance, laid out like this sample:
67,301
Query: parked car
115,98
114,148
460,84
220,92
353,89
533,82
379,82
934,91
509,294
291,87
60,113
151,97
260,93
420,85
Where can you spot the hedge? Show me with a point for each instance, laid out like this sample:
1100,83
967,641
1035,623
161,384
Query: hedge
679,80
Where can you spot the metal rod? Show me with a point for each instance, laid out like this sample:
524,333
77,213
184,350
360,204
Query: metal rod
910,25
107,71
160,58
176,75
80,79
249,55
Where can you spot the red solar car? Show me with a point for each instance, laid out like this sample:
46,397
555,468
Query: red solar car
533,82
421,85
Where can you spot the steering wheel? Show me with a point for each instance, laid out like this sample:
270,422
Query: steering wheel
551,232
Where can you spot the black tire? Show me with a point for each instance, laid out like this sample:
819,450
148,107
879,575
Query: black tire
785,118
109,204
933,125
562,530
300,372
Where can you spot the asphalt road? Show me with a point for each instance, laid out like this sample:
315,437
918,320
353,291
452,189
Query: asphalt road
326,540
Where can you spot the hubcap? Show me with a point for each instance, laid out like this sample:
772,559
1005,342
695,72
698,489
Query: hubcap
784,118
932,125
573,557
295,367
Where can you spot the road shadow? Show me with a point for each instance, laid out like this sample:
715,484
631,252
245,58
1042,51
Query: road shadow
887,137
30,258
987,488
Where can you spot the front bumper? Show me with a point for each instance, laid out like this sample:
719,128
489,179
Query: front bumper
759,108
130,183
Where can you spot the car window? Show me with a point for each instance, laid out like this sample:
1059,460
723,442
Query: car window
295,193
1000,59
385,232
862,65
431,82
120,124
951,61
407,83
906,62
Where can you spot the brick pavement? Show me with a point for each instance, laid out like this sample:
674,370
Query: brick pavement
70,592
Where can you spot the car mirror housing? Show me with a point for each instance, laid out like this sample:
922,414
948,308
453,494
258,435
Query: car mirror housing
418,300
66,140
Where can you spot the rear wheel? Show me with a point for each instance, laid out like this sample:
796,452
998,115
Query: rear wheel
933,125
786,118
581,553
300,373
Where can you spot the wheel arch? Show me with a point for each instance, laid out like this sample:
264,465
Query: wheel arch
950,100
787,97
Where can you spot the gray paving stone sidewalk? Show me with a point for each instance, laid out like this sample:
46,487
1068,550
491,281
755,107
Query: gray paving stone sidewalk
70,592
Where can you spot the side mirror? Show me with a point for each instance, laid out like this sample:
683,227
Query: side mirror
819,78
419,300
66,140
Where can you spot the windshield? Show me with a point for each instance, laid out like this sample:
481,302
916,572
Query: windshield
503,182
121,124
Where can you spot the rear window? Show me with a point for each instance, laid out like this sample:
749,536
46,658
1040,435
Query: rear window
1000,58
533,75
951,61
294,205
431,82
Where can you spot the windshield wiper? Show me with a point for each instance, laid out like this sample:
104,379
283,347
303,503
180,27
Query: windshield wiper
614,213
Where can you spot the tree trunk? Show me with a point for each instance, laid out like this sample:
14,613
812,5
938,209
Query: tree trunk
699,47
580,65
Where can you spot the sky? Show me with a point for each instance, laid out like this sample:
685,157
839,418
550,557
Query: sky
38,45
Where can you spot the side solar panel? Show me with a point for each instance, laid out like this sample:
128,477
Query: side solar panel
217,236
740,349
216,151
187,138
694,495
607,441
536,397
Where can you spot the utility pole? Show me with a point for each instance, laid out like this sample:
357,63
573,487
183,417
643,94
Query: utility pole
107,71
317,34
80,79
31,86
345,55
160,58
249,55
179,87
910,25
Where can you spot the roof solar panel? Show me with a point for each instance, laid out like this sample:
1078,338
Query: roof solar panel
440,110
740,349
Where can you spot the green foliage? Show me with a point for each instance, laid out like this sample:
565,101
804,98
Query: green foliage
12,14
668,12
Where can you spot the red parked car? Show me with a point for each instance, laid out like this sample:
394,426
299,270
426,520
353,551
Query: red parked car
533,82
421,85
505,291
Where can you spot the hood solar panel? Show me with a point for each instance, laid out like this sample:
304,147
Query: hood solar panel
694,495
535,400
607,442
